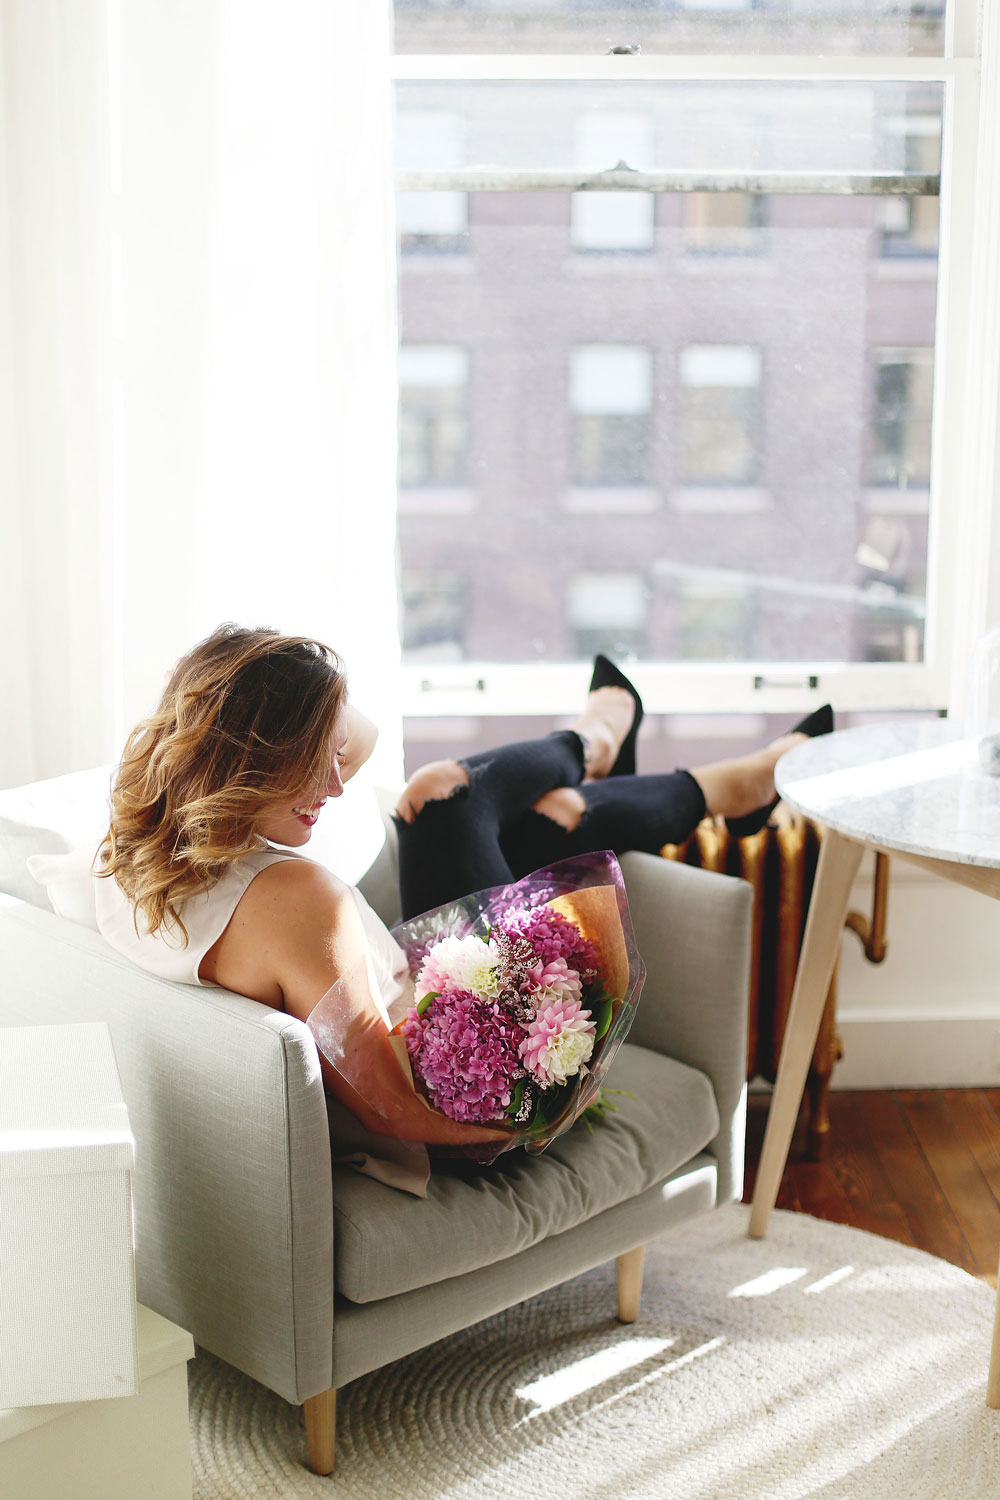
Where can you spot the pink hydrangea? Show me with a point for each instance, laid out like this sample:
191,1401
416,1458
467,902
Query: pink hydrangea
465,1050
559,1041
552,936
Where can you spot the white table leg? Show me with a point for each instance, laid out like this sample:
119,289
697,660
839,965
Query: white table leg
839,858
993,1383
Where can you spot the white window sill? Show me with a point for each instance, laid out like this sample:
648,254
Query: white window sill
609,500
444,501
721,500
905,268
437,262
696,264
892,502
611,263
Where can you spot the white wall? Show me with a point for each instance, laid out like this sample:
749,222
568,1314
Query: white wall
929,1014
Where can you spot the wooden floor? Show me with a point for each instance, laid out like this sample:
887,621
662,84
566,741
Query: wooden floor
921,1166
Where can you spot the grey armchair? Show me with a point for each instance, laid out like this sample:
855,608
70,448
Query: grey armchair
304,1276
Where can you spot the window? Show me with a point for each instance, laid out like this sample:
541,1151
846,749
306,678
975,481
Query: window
724,223
433,615
714,621
430,221
607,611
720,385
612,221
900,443
609,392
889,554
909,224
433,428
723,384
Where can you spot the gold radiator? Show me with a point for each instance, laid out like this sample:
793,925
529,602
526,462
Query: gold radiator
780,864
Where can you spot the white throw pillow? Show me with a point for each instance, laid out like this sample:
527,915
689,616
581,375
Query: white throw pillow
49,817
69,883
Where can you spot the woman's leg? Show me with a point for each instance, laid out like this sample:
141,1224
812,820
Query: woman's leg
621,813
452,815
450,844
640,812
468,824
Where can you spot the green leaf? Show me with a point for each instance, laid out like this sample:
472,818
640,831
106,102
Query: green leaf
550,1102
425,1002
601,1106
601,1017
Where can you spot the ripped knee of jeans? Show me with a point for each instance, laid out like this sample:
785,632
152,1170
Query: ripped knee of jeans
435,782
564,806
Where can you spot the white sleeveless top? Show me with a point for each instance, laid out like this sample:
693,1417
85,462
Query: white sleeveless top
399,1164
206,917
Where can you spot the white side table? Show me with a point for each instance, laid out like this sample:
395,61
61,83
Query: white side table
93,1388
67,1289
898,787
124,1448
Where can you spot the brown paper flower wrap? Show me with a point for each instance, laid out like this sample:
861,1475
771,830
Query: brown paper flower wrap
518,998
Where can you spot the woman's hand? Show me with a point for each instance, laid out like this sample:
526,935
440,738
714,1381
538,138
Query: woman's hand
358,744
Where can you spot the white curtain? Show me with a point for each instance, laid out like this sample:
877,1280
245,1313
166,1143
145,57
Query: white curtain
197,335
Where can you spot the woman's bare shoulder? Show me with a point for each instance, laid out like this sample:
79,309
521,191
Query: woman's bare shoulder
287,912
295,878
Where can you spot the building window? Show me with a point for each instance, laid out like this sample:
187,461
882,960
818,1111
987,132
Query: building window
723,223
435,222
720,413
612,221
433,615
610,392
714,621
899,453
909,226
607,612
433,425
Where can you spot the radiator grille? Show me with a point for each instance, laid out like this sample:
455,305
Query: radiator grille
780,864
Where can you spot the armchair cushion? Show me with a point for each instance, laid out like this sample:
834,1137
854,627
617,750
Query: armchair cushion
48,818
387,1243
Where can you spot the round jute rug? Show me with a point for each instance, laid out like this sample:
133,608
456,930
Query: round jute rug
820,1362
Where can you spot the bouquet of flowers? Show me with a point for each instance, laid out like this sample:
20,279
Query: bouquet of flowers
512,1004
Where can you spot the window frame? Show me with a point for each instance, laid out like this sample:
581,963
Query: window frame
959,516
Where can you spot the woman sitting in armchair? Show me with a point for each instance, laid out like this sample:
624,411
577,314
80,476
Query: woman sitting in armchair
199,875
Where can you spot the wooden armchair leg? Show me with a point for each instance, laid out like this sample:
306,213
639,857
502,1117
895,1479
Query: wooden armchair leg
321,1423
629,1268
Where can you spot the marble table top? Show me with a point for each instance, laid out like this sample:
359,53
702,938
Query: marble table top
905,786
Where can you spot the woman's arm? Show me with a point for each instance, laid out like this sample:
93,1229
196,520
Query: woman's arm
295,932
359,743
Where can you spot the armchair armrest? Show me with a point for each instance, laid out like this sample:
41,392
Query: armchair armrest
693,931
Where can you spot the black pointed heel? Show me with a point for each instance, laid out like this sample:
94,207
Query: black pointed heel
606,674
820,721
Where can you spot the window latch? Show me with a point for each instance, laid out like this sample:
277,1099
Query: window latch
470,685
809,681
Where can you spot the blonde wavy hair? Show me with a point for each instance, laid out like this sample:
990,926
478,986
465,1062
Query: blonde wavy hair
246,722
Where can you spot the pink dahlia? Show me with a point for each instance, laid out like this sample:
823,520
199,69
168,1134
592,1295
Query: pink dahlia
466,1052
460,965
559,1041
553,981
552,936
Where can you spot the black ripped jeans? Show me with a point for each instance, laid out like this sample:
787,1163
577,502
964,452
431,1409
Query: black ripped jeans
488,833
